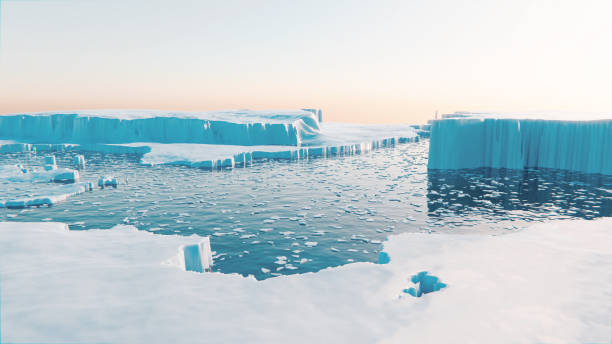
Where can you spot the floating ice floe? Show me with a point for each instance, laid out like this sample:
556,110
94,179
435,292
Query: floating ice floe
20,174
50,163
105,181
210,140
46,196
466,140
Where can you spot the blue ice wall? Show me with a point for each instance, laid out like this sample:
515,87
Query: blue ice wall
165,128
584,146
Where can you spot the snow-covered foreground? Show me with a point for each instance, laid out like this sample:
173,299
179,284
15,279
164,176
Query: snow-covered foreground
481,140
550,283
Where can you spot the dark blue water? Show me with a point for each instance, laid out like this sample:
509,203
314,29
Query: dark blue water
283,217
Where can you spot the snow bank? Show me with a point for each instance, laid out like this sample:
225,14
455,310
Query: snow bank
241,127
550,283
473,142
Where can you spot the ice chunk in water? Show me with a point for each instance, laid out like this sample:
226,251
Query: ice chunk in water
197,257
66,176
107,181
50,163
78,162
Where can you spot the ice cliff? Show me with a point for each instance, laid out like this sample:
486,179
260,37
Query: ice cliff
241,127
518,143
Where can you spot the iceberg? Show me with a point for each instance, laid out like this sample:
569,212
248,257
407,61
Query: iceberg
333,139
107,181
209,140
473,141
549,283
238,127
33,194
50,163
78,161
65,175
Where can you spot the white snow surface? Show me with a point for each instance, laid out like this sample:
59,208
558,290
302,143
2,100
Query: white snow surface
518,143
550,283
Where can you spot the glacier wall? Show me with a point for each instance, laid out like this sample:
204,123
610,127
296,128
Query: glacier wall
235,128
584,146
333,139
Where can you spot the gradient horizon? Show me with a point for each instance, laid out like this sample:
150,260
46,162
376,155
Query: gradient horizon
359,61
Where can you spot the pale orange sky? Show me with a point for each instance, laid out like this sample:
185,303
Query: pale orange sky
359,61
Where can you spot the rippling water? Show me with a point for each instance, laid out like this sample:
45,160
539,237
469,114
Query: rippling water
282,217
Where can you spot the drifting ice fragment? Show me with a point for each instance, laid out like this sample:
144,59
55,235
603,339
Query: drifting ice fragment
50,163
107,181
66,176
79,162
197,257
584,146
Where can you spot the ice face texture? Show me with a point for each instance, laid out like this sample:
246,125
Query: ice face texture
584,146
316,140
239,127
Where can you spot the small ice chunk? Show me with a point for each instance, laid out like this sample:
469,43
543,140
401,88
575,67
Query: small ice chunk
66,176
78,162
50,163
282,260
107,181
197,257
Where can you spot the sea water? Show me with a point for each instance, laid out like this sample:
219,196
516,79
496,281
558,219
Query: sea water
285,217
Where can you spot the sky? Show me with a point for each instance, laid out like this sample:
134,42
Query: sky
359,61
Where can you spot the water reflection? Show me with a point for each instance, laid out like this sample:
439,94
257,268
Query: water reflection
529,195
